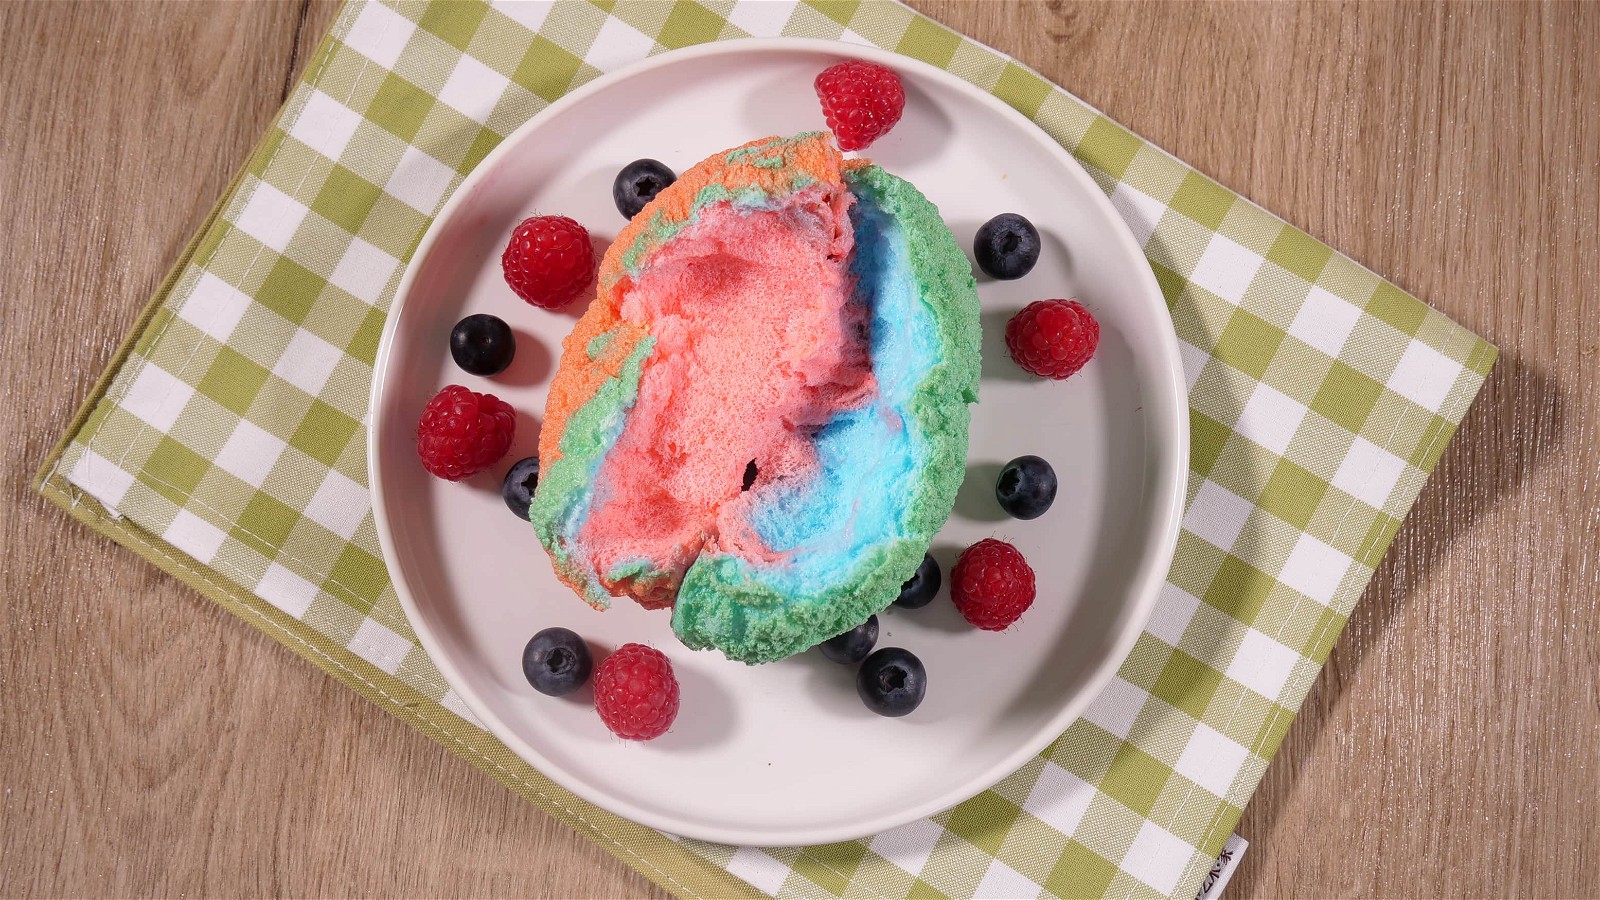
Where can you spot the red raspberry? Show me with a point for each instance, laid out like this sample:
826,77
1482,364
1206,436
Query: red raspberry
861,100
549,261
1053,338
992,585
463,432
635,693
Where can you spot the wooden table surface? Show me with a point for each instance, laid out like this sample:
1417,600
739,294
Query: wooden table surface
152,745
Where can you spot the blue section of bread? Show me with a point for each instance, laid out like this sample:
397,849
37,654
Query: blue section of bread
869,458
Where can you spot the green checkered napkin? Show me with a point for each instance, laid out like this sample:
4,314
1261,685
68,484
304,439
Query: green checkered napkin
226,442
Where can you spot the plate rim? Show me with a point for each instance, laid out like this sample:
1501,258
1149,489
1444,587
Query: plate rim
1171,468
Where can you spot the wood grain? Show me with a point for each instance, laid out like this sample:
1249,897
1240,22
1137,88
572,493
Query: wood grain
155,746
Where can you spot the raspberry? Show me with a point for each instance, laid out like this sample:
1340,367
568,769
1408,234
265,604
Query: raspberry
861,101
549,261
992,585
635,693
1052,338
463,432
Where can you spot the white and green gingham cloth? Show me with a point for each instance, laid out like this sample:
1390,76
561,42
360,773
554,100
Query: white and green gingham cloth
226,443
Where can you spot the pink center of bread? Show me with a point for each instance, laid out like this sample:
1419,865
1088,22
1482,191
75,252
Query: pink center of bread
757,345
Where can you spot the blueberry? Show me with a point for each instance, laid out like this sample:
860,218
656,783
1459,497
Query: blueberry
919,590
1026,487
1006,247
638,183
556,662
892,681
517,490
482,344
854,645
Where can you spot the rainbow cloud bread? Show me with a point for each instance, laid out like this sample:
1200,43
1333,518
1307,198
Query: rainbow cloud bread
782,313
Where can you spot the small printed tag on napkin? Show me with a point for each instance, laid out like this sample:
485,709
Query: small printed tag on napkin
1222,870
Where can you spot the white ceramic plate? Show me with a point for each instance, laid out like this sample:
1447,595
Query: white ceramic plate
786,754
